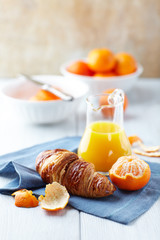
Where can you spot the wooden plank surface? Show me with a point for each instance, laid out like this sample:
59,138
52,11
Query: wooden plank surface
17,135
35,223
18,223
142,118
146,227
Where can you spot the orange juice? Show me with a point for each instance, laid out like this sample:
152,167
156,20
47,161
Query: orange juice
102,144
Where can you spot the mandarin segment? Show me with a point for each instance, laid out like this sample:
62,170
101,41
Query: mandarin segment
130,173
24,198
101,60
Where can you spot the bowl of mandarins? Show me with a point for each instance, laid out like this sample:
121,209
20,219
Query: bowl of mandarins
28,102
103,69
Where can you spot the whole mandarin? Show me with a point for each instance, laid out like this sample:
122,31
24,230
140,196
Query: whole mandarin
125,64
101,60
108,112
108,74
81,68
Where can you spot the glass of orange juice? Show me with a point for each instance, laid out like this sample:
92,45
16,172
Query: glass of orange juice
104,139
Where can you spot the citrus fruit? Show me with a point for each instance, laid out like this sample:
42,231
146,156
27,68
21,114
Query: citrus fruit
130,173
56,197
108,74
125,64
101,60
108,112
44,95
24,198
81,68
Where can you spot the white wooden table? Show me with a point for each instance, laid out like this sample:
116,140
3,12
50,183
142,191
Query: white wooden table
142,118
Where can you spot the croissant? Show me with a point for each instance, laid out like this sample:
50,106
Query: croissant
78,176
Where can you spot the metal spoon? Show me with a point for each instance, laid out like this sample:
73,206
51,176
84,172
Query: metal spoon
48,87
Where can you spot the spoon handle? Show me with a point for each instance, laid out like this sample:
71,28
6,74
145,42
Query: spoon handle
48,87
58,93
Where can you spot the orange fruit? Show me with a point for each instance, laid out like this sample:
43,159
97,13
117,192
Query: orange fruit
125,63
56,197
81,68
108,74
24,198
101,60
108,112
44,95
130,173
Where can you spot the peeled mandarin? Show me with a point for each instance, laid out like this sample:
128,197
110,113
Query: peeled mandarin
130,173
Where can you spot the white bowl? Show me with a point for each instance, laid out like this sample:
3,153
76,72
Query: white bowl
100,84
16,96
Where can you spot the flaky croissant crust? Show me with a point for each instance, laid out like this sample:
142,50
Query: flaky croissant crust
78,176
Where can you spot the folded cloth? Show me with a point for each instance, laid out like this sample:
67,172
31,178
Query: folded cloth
122,206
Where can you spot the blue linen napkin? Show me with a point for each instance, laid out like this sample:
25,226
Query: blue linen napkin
122,206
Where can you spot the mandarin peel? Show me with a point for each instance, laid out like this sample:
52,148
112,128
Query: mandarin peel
25,198
149,151
147,154
56,197
134,139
